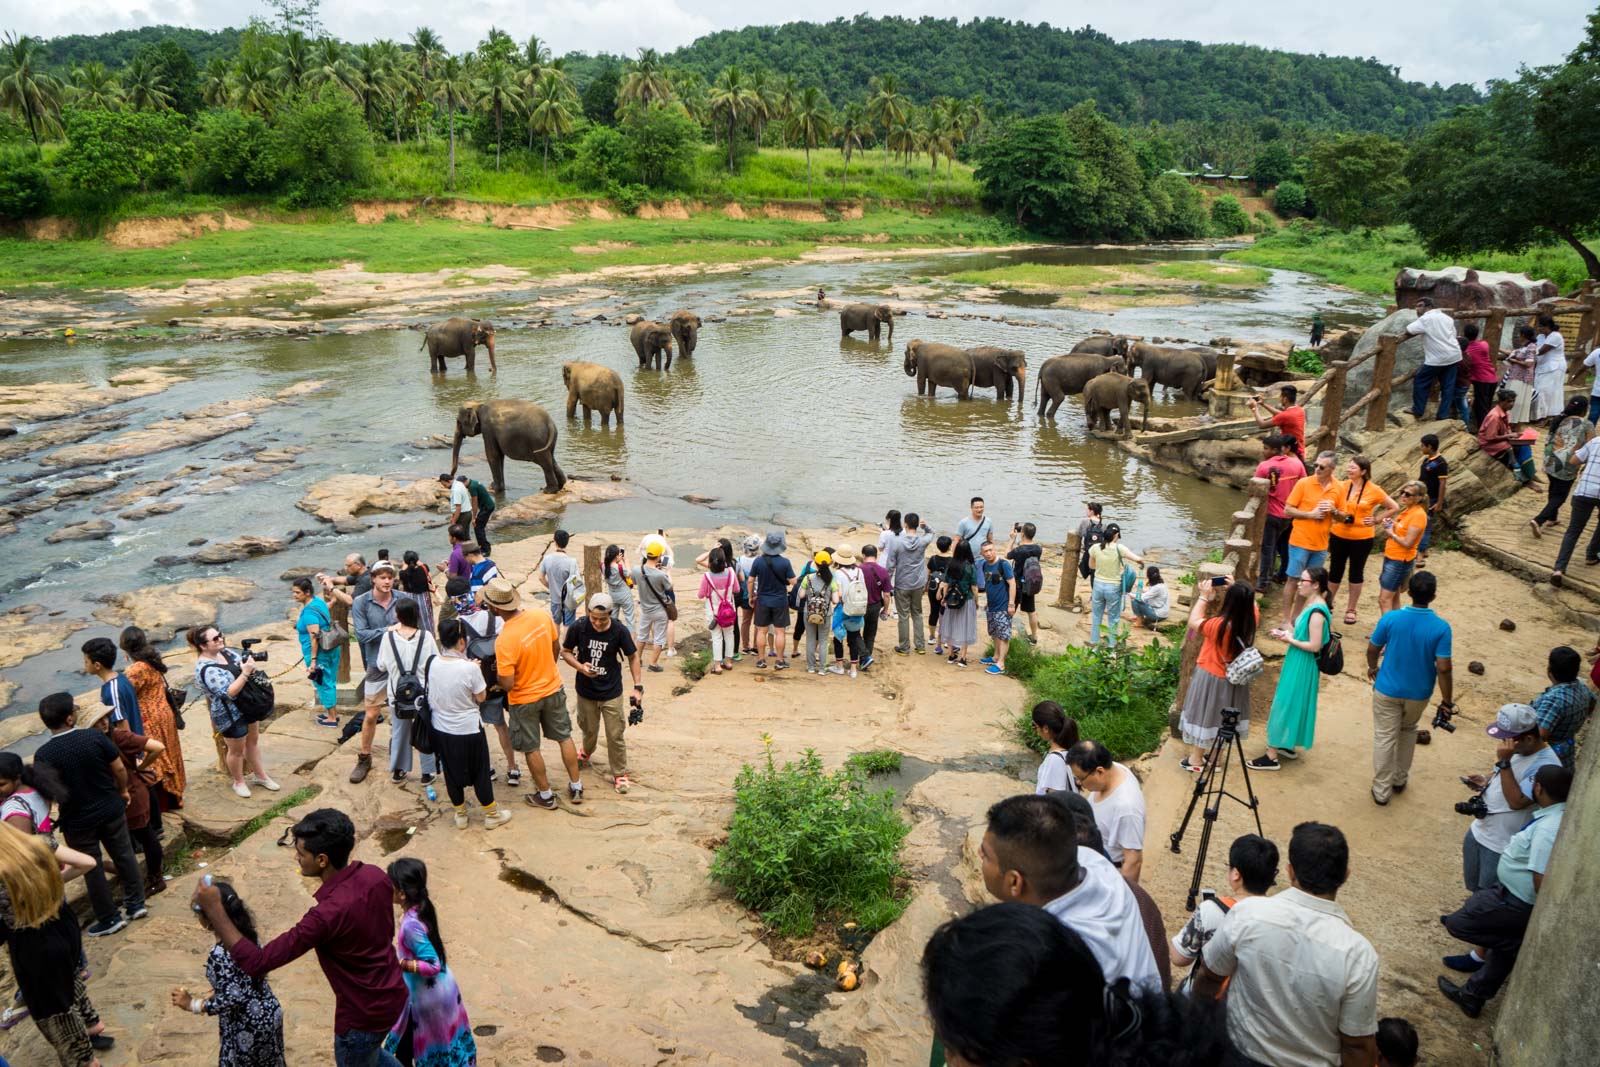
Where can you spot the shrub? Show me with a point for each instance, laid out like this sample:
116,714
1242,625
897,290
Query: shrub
109,152
327,149
1228,217
236,152
1120,695
24,189
1289,199
601,158
805,845
1306,361
627,198
662,144
1179,207
878,761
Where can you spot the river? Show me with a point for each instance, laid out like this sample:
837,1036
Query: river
775,418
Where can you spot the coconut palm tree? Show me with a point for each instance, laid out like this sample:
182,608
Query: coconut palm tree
976,114
399,77
692,93
811,124
93,86
952,115
551,111
763,88
452,86
495,90
888,107
366,76
144,86
428,49
497,44
214,82
531,64
26,90
854,128
932,138
327,66
785,96
295,56
250,84
905,138
646,80
733,100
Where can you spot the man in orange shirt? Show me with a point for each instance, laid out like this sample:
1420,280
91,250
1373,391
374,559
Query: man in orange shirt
1290,419
525,653
1313,505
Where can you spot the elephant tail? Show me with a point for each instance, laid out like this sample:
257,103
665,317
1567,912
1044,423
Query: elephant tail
1036,378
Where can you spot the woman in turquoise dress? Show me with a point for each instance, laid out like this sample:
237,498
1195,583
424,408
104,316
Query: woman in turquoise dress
1293,722
433,1031
312,621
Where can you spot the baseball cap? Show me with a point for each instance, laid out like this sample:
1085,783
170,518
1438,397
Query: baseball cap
822,559
1513,721
654,550
600,602
384,565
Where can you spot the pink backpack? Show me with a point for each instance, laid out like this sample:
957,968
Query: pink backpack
723,611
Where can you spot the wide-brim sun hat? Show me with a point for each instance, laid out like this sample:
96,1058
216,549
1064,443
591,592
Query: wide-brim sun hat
500,593
844,557
775,544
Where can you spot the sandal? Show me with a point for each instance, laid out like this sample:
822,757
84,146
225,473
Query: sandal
1190,767
1350,617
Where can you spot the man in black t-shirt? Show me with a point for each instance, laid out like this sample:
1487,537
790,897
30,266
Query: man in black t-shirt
1019,554
595,647
94,811
1434,475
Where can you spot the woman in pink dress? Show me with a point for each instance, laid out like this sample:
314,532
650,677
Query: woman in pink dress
433,1031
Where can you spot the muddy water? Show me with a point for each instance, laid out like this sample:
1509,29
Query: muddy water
775,417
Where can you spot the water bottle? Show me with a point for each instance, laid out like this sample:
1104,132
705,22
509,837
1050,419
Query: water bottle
432,793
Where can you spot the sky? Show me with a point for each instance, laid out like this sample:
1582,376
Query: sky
1444,41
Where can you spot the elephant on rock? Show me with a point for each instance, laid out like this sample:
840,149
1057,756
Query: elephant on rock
511,429
999,368
1182,369
866,317
1063,376
933,365
458,337
1115,392
652,341
597,388
685,328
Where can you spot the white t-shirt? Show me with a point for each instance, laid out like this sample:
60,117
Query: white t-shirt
1054,777
453,682
1104,912
31,803
1556,358
1495,831
460,499
1120,815
1157,599
407,646
1592,360
1438,330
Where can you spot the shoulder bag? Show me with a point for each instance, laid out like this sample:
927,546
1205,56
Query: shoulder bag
667,606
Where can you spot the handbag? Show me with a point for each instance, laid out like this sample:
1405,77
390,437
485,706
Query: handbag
1330,659
176,699
1130,577
668,606
1246,666
331,637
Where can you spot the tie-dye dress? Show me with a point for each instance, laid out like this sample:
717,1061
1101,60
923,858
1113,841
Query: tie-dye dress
435,1017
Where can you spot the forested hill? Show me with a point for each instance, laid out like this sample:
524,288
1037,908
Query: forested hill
1034,69
115,49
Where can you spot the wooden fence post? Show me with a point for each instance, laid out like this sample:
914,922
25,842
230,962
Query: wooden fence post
1191,653
1224,384
1069,570
1382,381
1332,407
339,612
592,581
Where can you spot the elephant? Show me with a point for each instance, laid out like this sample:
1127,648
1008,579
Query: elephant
1064,376
685,327
1178,368
458,337
1102,345
999,367
1118,391
597,388
511,429
934,365
866,317
651,341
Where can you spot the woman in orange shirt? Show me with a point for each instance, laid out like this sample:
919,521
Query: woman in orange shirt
147,673
1354,526
1400,550
1222,636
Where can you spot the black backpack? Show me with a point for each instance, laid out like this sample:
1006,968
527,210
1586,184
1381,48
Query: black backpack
1032,575
957,586
411,688
1331,659
1093,537
257,698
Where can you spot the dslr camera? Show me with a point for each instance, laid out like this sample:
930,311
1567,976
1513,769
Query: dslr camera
248,644
1441,721
1473,805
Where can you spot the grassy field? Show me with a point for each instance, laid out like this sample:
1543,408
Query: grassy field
1367,260
1127,279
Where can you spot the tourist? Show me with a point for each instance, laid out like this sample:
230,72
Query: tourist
1496,918
45,944
1397,1043
1506,792
891,528
1441,361
655,593
144,823
1496,435
1108,562
1091,531
1289,419
1352,534
1435,476
456,565
1117,801
619,586
455,702
815,596
772,575
999,605
92,812
322,664
1568,432
434,1030
468,498
1312,507
351,929
525,661
414,579
797,600
355,580
977,529
1292,723
116,692
958,621
1305,988
909,573
1252,872
718,589
658,540
147,673
249,1017
1030,854
1030,576
1316,328
1283,472
1591,361
371,616
407,651
880,594
1550,373
27,793
1058,730
1565,704
558,573
1414,644
1480,372
594,648
483,626
1406,530
703,560
938,563
1223,636
742,598
849,614
1585,501
1521,372
222,674
481,570
1151,600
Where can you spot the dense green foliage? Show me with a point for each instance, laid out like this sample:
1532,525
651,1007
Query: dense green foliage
24,187
806,845
326,152
1355,180
109,151
1119,695
118,47
661,143
1290,199
1228,217
236,152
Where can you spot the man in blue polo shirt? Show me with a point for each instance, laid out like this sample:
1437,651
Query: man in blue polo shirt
1414,645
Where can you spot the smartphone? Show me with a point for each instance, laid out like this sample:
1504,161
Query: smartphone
1217,583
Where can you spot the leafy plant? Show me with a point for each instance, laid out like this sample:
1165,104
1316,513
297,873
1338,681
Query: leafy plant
695,664
1120,695
878,761
1228,217
1306,361
236,152
806,845
111,151
327,147
24,189
1290,198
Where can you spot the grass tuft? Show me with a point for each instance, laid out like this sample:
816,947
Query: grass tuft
878,761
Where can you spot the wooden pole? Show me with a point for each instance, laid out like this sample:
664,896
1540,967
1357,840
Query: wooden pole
1069,570
339,612
1332,407
1256,528
1226,382
592,581
1383,382
1191,654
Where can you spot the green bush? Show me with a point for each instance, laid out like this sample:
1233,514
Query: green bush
806,845
1306,361
601,159
662,144
24,188
236,152
109,152
327,151
1228,218
1119,695
878,761
1289,199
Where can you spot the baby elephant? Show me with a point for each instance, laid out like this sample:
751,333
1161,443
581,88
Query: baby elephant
597,388
652,341
1115,391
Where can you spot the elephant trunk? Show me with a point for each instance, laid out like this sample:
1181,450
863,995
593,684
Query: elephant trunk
489,344
455,453
1022,384
1145,425
890,324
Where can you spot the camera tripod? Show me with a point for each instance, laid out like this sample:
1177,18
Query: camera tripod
1212,784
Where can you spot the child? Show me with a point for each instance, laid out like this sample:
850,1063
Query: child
1397,1043
137,752
434,1030
249,1018
936,566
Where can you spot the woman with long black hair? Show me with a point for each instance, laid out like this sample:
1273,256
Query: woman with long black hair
434,1030
1223,636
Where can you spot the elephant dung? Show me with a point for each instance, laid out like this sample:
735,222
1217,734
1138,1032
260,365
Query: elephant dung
92,530
21,637
340,499
166,609
530,509
246,547
1475,667
1507,625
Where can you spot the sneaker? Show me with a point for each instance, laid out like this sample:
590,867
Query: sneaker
621,782
397,777
836,670
575,792
987,660
583,758
922,651
138,912
513,776
12,1016
461,820
901,650
655,668
761,664
866,663
499,818
810,669
426,779
671,652
852,672
538,801
938,650
781,665
265,783
241,790
737,657
994,668
363,767
1264,763
106,926
961,663
1463,962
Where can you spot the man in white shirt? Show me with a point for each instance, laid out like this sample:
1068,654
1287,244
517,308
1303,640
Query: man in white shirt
1441,359
1030,854
1117,801
1305,984
1507,792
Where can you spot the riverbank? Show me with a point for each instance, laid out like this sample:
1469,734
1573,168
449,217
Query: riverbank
1092,287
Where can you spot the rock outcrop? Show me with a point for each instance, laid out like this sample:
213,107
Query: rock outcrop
340,499
84,426
248,546
1468,289
162,611
55,400
531,509
26,631
89,530
159,436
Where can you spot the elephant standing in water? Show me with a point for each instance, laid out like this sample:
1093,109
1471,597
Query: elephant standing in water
933,365
1063,376
866,317
998,368
511,429
1178,368
1102,345
1117,392
458,337
685,329
651,341
597,388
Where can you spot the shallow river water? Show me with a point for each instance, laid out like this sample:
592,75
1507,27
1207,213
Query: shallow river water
776,418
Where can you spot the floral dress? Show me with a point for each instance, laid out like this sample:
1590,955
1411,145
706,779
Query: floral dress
435,1017
150,687
249,1018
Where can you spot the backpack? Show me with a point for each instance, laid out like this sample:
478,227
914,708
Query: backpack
255,701
1032,575
1247,666
957,587
1331,659
724,613
411,688
818,602
1093,537
853,594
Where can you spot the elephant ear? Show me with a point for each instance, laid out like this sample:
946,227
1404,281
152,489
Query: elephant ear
469,420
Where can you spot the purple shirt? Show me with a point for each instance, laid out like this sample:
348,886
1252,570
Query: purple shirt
879,585
456,566
351,928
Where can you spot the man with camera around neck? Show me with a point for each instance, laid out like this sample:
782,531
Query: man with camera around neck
1504,802
371,616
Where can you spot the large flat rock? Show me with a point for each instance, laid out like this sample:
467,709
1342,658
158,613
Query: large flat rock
540,506
55,400
164,610
161,436
27,630
340,500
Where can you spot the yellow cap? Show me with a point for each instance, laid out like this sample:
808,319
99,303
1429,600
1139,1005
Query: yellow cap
822,559
653,550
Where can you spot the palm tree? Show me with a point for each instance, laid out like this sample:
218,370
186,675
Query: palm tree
692,93
453,87
811,124
250,85
25,88
646,80
888,107
327,65
952,115
497,44
296,55
551,111
399,80
733,99
933,136
785,96
531,66
854,127
764,93
428,49
366,76
904,138
144,86
93,86
975,114
214,82
496,89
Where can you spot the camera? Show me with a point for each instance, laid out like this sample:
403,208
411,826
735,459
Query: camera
315,675
636,711
1473,806
248,644
1441,721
